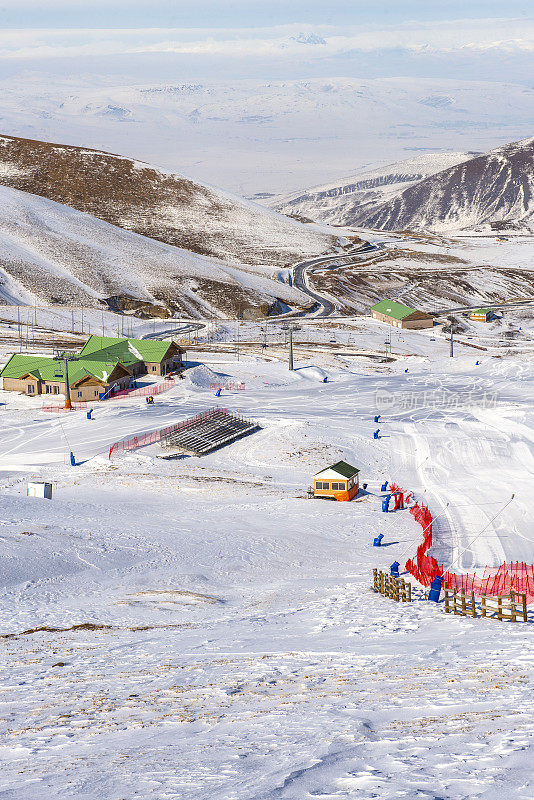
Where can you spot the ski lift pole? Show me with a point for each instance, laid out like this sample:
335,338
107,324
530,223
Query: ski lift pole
68,404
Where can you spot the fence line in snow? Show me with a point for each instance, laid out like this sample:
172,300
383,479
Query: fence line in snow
513,577
145,391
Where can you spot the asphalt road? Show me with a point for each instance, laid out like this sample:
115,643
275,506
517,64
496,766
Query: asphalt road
326,306
182,328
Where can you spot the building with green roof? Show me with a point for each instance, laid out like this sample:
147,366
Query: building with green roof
104,366
481,314
401,316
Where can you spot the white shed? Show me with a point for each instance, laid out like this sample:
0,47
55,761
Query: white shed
39,489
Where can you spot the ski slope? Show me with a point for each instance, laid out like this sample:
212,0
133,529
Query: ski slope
198,628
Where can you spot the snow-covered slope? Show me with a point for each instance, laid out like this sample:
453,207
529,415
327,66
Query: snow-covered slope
164,206
52,253
337,203
496,188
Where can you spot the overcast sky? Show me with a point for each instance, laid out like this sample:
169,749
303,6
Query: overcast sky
273,39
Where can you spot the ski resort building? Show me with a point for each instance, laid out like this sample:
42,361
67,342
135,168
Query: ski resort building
401,316
338,482
481,314
104,366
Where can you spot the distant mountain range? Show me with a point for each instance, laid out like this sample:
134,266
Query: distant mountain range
494,189
341,202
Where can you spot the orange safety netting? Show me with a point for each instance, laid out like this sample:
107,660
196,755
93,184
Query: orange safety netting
517,577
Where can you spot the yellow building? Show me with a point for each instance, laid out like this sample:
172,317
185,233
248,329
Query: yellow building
338,482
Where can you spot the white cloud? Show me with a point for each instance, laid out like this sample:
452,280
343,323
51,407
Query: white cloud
279,42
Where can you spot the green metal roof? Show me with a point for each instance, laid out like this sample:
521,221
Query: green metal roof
343,468
125,350
98,357
50,369
482,311
393,309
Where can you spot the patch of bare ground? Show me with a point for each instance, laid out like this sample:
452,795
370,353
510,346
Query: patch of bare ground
358,288
90,626
83,626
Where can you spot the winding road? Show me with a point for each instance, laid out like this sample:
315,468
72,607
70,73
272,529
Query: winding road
324,305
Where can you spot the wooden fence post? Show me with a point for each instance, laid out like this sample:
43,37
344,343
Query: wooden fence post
524,606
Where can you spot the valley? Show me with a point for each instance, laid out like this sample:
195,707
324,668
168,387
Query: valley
203,626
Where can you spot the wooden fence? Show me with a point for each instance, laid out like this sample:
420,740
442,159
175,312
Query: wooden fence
395,588
496,607
459,602
512,607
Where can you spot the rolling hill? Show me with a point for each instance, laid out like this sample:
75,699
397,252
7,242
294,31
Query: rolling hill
161,205
51,253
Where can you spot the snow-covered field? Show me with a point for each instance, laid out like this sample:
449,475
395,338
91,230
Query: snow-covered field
254,136
209,632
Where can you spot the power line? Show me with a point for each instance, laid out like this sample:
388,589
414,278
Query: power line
480,534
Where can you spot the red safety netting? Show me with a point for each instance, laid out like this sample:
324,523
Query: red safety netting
145,391
155,436
517,577
75,407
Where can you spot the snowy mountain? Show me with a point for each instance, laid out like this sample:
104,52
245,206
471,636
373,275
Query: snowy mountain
496,188
164,206
338,203
50,253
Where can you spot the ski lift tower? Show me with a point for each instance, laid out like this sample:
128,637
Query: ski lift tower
66,357
291,328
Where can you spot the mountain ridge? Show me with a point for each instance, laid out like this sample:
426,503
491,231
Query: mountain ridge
494,189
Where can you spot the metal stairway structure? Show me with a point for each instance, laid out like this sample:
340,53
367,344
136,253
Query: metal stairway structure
208,432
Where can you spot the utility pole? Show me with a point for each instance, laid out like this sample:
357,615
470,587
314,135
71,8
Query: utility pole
291,329
452,340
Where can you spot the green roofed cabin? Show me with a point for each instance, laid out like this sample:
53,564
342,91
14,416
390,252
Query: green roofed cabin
401,316
481,314
104,366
